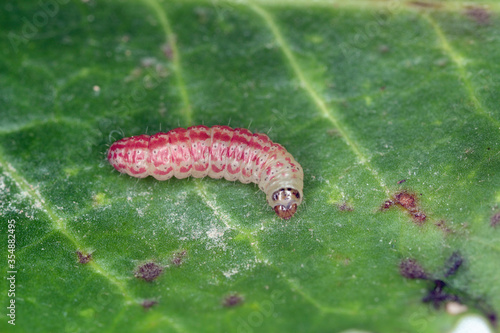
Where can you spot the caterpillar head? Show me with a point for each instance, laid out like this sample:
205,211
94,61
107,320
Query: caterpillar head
285,201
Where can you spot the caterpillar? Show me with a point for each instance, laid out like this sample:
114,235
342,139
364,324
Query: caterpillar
216,152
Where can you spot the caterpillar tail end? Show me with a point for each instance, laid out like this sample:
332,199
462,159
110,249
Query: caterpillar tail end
285,212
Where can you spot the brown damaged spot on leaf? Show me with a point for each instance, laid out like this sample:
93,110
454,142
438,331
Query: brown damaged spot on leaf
437,295
411,269
232,301
148,303
441,292
179,258
148,271
419,217
387,204
408,202
345,207
495,220
490,314
442,225
453,264
478,14
83,258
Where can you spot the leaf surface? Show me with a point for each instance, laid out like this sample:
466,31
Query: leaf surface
374,99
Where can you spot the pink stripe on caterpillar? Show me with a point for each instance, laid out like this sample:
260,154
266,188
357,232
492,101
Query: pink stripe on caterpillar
217,152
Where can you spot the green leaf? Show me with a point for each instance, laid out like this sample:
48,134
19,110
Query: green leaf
377,100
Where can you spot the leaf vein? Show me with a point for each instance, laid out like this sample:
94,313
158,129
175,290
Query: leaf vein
176,58
59,225
294,286
459,62
328,113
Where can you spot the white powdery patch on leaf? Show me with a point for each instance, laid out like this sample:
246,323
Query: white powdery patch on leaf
215,233
231,272
215,236
140,211
246,265
18,203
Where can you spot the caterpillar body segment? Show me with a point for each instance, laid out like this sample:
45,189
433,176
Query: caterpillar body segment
216,152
